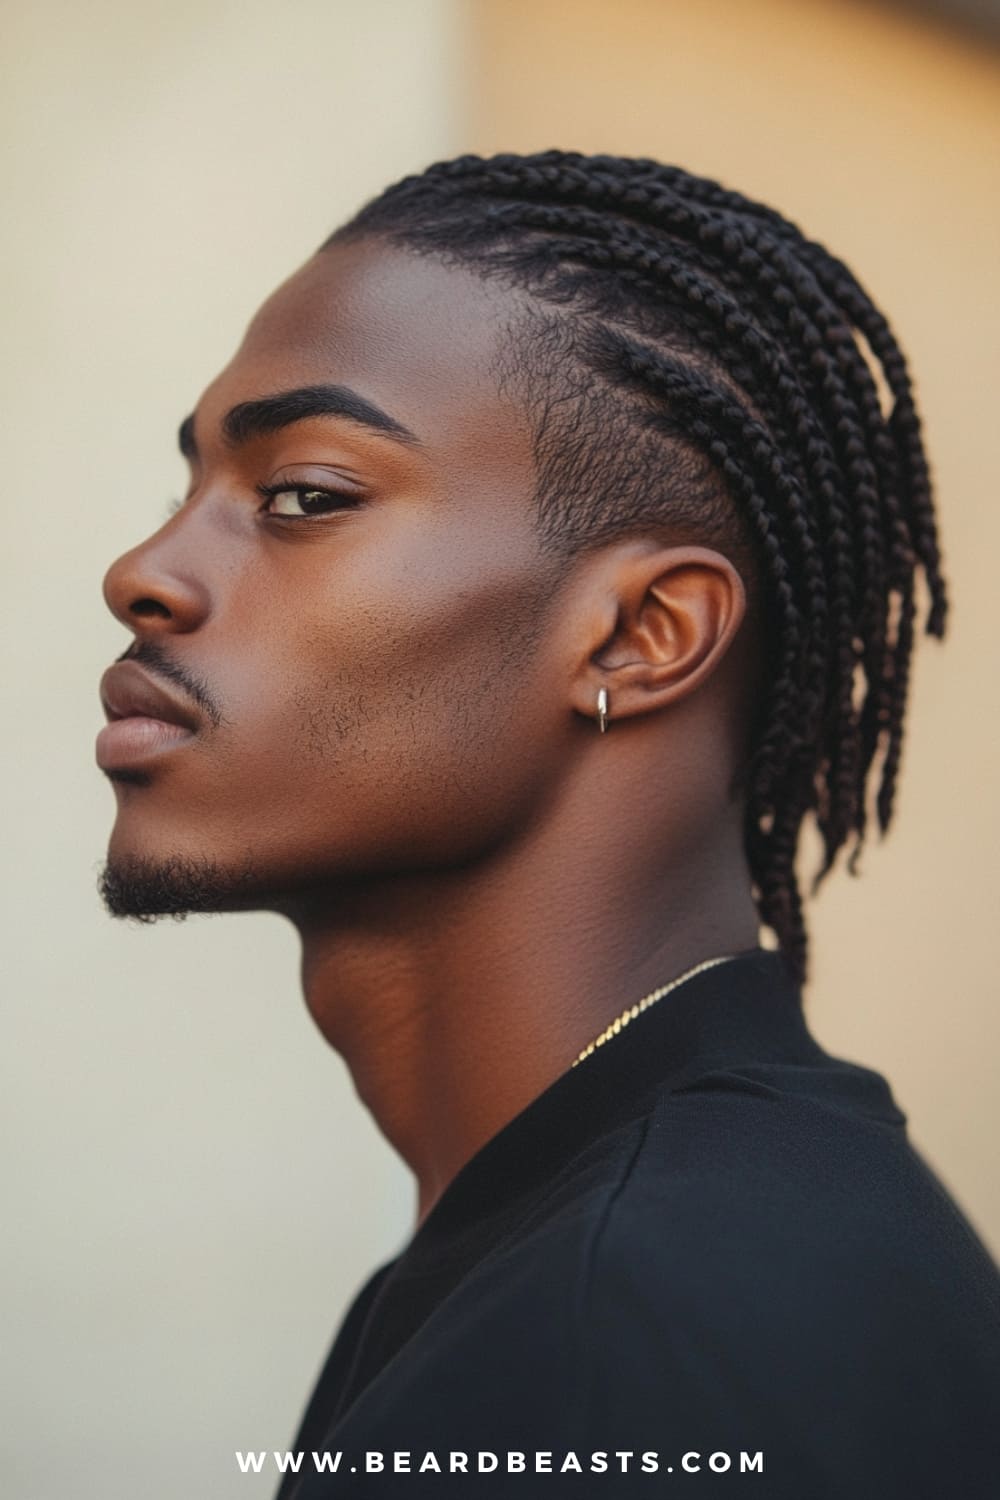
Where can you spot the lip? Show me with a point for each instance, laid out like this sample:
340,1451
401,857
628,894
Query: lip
144,718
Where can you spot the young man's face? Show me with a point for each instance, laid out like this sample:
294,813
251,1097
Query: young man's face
374,680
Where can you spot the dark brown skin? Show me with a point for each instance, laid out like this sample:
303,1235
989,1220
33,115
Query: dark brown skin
409,754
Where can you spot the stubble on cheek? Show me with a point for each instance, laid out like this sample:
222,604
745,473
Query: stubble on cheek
326,721
418,717
362,713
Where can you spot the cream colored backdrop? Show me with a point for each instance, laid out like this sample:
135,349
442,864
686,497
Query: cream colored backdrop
879,134
193,1191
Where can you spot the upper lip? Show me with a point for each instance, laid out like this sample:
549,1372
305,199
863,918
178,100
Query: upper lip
128,692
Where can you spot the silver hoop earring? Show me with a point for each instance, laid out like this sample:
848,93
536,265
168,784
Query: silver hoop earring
602,710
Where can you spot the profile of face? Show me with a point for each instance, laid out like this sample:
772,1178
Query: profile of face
347,614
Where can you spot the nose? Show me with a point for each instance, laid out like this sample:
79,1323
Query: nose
151,594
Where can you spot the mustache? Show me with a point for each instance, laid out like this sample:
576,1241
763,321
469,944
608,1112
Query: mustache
151,654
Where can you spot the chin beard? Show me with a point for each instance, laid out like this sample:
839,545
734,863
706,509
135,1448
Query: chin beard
146,889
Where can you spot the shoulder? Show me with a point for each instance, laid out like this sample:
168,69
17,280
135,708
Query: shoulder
770,1198
740,1270
769,1254
790,1197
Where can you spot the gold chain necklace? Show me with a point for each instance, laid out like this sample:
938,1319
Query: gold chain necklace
631,1011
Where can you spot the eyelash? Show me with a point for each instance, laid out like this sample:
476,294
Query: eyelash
341,498
269,491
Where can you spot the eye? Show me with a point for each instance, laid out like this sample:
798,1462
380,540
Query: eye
302,500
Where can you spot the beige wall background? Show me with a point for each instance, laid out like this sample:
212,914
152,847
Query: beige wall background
193,1191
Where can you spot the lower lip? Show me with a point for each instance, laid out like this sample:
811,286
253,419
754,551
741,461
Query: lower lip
129,742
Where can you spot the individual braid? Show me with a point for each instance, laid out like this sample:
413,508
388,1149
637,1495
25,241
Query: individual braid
721,365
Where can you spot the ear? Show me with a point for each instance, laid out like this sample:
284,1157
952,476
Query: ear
661,622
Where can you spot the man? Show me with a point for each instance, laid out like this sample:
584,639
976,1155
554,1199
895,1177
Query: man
549,556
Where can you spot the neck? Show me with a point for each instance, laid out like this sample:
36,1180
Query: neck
456,998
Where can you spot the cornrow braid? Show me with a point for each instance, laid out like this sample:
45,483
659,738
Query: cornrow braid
716,375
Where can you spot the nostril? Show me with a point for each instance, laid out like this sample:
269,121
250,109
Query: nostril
146,594
147,609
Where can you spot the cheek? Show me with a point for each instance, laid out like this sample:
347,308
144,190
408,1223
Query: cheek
400,726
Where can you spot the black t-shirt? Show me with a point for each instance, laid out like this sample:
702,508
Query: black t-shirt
706,1256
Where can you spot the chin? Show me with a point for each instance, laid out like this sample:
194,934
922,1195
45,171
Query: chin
146,887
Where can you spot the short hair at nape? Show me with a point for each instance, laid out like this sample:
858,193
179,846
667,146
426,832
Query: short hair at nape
692,362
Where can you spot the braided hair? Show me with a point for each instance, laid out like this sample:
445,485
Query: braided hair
691,361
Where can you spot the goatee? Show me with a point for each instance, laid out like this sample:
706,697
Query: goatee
145,889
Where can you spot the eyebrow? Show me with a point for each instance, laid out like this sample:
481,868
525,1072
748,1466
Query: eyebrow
252,419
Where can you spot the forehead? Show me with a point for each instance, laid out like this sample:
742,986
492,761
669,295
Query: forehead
416,336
